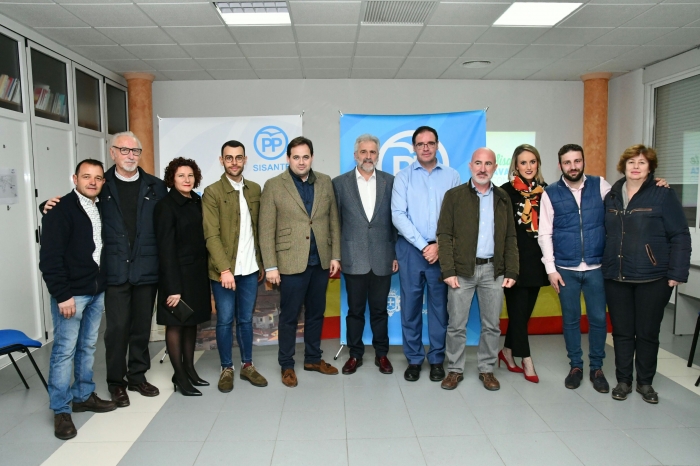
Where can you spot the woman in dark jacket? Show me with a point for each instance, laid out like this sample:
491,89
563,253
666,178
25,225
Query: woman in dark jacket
647,253
182,256
525,190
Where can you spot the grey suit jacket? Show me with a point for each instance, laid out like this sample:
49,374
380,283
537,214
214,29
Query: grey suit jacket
365,243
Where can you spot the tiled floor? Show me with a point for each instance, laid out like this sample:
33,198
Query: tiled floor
366,418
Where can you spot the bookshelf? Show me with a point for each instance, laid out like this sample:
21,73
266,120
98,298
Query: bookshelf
87,91
50,87
10,82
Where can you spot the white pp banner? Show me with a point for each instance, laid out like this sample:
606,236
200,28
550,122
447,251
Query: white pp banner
265,139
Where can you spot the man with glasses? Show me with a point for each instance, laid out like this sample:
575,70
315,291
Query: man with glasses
128,198
230,209
415,205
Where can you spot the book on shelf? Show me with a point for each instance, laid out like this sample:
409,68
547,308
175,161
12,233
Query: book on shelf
48,101
10,88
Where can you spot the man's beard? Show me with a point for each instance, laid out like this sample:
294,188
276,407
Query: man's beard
573,178
363,167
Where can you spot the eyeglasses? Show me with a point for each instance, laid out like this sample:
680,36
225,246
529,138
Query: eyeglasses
430,144
125,150
231,158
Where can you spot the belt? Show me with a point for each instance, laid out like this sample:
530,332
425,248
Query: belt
480,261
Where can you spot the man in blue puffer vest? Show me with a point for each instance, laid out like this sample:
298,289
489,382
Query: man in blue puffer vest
572,238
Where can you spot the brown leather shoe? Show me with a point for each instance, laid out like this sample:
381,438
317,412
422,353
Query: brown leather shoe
350,366
289,378
63,427
384,365
452,380
145,389
490,382
120,397
94,404
322,366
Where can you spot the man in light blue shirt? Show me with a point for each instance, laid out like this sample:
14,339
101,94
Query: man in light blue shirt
415,207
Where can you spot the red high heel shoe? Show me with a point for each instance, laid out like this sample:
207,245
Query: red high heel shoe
531,378
513,368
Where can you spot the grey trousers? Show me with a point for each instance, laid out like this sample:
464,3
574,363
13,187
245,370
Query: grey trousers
459,300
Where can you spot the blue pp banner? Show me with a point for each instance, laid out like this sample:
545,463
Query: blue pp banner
460,134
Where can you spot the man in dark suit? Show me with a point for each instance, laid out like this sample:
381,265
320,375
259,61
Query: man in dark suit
368,240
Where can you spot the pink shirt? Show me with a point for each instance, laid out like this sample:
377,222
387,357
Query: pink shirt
544,237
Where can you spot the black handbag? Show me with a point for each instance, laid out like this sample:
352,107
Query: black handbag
182,311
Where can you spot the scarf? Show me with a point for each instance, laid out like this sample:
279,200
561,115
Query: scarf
528,209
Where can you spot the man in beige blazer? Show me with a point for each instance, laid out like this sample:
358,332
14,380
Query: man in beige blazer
300,240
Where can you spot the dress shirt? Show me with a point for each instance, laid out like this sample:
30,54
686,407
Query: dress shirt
91,210
245,256
417,198
368,192
485,243
544,237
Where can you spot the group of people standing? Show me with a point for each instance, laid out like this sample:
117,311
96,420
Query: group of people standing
121,236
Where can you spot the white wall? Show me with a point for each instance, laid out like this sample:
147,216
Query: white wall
625,117
554,109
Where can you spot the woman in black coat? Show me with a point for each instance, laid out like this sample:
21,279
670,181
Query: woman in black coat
525,190
183,274
647,253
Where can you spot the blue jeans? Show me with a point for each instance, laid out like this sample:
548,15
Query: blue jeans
74,345
236,304
593,287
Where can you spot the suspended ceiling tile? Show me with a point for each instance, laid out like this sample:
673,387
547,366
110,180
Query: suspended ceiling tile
373,73
554,74
157,51
459,72
489,51
336,33
269,50
168,64
631,36
110,15
224,63
197,14
501,73
327,62
419,73
388,33
683,36
137,35
651,53
188,75
102,52
572,36
377,62
511,35
452,34
273,63
604,15
327,73
591,52
467,13
233,74
526,63
42,15
262,34
325,12
279,74
383,49
121,66
667,15
434,63
76,36
331,49
212,50
577,66
546,51
200,34
438,50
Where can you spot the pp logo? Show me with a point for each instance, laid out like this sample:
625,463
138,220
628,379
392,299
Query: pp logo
397,153
393,303
270,142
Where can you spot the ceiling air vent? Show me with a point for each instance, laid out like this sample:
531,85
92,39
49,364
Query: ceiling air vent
398,12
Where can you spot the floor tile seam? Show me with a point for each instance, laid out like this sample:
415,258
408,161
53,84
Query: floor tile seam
488,437
565,445
643,447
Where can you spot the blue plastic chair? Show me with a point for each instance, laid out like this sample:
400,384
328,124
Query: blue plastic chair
14,340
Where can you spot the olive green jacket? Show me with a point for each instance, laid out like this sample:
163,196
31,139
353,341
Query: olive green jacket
285,226
458,233
222,223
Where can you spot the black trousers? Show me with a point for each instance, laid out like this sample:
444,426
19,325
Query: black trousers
520,301
129,310
364,289
307,288
636,311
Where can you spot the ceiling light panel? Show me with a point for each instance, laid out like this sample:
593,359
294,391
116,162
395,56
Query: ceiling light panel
535,14
254,13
